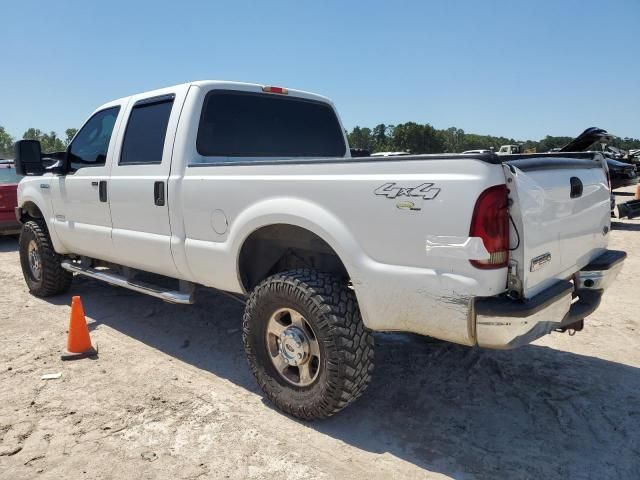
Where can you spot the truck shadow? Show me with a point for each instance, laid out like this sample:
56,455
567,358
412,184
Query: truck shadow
624,194
8,244
463,412
630,227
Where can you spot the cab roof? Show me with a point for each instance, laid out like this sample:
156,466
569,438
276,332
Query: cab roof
223,85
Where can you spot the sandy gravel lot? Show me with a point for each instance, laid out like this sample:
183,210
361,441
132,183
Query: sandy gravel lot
171,396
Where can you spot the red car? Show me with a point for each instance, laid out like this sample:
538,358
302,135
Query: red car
9,179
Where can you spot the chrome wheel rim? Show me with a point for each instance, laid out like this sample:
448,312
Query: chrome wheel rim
293,347
35,262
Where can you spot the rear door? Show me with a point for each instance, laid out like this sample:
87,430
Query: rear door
138,197
560,216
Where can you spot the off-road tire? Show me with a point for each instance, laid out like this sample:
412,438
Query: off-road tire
53,279
346,346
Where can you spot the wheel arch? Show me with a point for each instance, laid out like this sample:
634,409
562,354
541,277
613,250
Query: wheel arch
29,210
279,247
32,205
306,227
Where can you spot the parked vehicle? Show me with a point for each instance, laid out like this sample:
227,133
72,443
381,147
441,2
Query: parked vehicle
515,149
472,152
389,154
621,174
587,139
510,149
251,189
9,179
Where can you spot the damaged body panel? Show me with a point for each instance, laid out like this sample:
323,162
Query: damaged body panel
503,323
559,265
557,228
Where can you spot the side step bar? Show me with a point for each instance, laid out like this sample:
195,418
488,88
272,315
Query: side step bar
171,296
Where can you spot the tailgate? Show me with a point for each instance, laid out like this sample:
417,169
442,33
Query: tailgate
560,212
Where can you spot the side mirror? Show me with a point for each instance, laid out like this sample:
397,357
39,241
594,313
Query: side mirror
55,162
28,158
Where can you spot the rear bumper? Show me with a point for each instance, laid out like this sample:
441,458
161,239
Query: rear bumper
504,323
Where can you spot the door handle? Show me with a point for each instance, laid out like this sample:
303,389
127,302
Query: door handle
102,190
158,193
576,187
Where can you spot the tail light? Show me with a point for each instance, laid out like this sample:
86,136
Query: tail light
280,90
490,222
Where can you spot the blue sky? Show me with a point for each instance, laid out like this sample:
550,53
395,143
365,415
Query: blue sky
522,69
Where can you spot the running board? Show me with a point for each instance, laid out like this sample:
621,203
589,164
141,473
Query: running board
171,296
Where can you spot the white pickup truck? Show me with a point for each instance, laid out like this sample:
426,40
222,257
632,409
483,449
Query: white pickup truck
252,190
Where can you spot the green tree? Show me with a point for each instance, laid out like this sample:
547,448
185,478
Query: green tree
549,142
414,138
626,143
379,135
473,141
70,133
453,139
361,138
6,144
49,142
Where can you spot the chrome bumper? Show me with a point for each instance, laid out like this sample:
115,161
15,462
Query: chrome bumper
503,323
600,273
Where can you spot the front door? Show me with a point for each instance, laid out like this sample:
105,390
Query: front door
80,204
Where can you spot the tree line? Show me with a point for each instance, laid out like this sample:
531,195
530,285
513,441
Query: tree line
50,142
418,138
406,137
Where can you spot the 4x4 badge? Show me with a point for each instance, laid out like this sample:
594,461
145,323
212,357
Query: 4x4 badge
426,191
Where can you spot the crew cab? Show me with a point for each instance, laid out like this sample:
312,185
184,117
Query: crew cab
252,190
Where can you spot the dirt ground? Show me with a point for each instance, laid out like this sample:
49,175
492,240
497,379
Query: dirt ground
171,396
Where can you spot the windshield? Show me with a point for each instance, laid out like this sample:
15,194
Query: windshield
8,175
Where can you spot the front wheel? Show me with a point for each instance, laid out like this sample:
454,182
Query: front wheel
40,263
306,343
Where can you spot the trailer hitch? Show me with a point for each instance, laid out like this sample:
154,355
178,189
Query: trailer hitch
572,328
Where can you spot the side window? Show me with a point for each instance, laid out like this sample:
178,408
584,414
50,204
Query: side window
89,147
146,129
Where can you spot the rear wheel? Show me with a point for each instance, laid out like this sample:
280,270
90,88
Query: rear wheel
306,343
40,263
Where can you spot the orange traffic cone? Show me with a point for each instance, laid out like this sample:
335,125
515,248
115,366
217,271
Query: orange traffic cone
78,341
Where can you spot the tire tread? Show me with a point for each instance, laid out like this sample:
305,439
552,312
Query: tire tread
338,311
55,279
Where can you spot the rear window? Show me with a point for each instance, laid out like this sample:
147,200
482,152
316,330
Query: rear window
8,175
240,124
